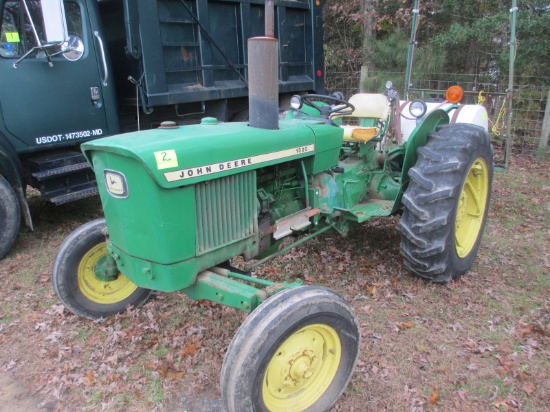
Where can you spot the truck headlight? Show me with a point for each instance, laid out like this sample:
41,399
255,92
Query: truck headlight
418,108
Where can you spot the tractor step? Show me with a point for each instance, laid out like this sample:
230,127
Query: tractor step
369,209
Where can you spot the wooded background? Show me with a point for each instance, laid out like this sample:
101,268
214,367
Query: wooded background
457,42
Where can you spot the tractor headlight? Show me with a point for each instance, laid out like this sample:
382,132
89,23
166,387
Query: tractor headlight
296,102
418,108
338,95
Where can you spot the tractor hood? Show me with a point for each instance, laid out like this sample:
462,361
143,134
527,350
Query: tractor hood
182,155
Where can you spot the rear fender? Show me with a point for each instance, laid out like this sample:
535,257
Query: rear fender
418,138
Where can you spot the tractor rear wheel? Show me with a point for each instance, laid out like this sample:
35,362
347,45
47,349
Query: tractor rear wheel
295,352
10,217
447,202
78,279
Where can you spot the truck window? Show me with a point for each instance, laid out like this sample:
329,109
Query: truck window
17,35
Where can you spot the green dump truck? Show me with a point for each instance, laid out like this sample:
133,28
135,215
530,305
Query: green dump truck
75,70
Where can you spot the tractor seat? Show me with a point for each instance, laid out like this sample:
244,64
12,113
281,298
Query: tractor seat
362,124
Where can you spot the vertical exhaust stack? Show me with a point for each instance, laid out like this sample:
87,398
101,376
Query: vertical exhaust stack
263,75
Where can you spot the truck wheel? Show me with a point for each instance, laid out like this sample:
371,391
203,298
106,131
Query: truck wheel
10,217
76,284
295,352
447,202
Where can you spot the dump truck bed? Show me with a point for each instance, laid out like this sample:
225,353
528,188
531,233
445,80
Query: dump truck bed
190,51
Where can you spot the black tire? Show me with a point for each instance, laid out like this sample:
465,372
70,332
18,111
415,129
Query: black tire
75,283
452,176
284,331
10,217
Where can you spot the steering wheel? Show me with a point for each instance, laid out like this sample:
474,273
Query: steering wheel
337,106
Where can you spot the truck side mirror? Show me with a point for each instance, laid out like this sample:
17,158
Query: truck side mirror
55,23
55,27
57,40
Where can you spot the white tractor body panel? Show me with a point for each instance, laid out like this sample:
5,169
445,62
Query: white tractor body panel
468,113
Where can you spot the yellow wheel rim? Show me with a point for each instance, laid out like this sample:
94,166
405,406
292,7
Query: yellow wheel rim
471,207
302,369
97,290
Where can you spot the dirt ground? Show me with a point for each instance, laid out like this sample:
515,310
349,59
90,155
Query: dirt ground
15,397
478,344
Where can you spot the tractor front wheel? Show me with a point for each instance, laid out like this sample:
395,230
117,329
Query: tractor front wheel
447,202
295,352
79,278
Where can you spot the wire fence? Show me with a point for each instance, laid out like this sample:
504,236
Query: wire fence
529,102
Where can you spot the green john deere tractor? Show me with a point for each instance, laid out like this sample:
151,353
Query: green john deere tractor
181,201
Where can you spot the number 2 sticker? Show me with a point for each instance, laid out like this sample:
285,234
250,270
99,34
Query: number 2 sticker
166,159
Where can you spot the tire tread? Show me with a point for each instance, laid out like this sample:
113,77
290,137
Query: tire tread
431,199
10,217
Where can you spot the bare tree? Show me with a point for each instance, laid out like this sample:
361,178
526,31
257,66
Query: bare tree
368,28
545,134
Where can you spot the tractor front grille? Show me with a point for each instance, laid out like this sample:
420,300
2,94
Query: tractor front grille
226,210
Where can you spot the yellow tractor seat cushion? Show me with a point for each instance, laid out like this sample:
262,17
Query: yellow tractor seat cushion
359,133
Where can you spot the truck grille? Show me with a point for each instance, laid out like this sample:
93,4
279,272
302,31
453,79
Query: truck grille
226,210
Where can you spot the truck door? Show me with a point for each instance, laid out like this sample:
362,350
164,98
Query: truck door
60,102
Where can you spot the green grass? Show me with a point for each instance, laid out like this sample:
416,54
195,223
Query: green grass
163,350
503,388
155,391
82,336
543,280
7,318
96,396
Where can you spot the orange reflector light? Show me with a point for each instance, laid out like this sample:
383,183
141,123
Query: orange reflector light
454,94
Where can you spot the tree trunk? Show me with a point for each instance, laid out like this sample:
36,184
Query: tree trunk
472,59
543,144
368,10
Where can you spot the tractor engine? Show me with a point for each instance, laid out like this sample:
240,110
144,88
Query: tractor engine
280,193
